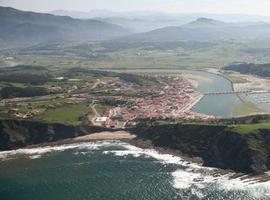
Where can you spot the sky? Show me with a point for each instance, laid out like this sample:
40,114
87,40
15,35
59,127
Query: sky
256,7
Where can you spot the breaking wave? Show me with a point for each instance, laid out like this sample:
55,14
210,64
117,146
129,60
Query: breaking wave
34,153
195,176
186,176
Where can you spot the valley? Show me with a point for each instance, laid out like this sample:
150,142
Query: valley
178,105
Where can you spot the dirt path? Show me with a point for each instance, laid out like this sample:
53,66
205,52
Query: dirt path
93,107
96,84
92,118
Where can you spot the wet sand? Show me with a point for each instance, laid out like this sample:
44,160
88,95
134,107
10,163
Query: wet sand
197,77
253,83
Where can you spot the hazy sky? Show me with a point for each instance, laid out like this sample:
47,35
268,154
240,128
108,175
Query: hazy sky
260,7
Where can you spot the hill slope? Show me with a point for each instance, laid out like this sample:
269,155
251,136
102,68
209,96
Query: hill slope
19,27
251,68
206,29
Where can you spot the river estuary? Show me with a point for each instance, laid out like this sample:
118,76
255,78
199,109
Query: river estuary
118,171
216,105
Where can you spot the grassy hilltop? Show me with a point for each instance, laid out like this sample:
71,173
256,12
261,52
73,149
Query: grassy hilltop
241,147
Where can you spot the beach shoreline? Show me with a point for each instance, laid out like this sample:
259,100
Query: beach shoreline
92,137
146,144
129,138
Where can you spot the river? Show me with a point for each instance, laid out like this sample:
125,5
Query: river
217,105
118,171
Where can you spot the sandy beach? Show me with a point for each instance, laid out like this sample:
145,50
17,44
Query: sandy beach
253,83
106,135
196,77
147,144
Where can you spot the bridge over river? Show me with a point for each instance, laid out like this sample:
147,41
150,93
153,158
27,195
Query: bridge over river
236,92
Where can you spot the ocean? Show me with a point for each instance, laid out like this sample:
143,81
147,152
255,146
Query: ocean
114,170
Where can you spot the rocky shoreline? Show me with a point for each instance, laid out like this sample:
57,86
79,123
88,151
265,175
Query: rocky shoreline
252,178
208,145
144,143
147,144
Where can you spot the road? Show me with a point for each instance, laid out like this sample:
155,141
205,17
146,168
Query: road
96,84
92,118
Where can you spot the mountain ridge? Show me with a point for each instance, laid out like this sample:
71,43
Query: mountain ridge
20,27
206,29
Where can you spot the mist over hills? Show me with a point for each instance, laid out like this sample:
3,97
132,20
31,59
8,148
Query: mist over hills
188,17
29,28
206,29
136,21
108,14
143,21
22,28
205,23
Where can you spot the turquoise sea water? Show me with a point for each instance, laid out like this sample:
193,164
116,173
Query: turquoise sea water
113,170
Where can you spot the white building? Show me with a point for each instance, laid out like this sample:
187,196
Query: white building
101,119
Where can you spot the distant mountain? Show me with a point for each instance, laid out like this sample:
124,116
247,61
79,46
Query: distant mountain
19,27
139,24
144,21
85,15
212,23
205,22
206,29
108,14
187,17
136,21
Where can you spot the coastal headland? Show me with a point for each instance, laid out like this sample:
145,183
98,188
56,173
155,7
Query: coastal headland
240,147
169,110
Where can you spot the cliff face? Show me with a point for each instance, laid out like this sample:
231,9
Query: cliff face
16,133
218,146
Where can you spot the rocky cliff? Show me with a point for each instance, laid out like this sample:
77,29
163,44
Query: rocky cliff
19,133
218,146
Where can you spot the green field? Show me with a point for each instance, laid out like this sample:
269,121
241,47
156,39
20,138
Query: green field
235,78
101,109
180,54
251,128
66,114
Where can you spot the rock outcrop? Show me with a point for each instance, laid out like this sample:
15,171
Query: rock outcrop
217,145
19,133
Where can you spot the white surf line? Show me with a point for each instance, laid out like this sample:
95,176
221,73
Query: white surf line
193,174
37,152
165,158
197,175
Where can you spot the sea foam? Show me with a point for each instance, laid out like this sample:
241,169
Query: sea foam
39,151
189,175
196,176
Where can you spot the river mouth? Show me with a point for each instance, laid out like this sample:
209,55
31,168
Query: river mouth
220,105
114,170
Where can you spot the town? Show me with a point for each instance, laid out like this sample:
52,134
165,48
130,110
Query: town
123,102
173,99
